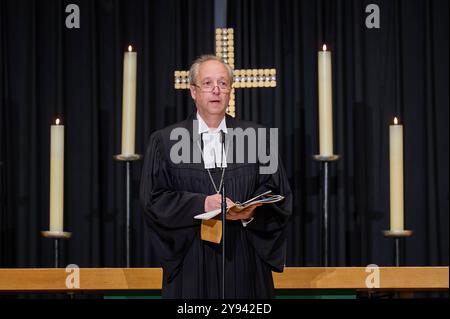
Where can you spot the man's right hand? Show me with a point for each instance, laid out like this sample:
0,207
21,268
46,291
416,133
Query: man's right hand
212,202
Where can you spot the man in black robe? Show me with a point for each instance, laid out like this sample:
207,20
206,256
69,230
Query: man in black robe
173,192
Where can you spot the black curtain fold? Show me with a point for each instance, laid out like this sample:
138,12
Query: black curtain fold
49,71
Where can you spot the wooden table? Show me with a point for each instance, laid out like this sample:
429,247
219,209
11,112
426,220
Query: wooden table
139,279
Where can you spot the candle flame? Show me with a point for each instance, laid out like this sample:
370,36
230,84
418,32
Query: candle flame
324,47
130,48
57,121
395,120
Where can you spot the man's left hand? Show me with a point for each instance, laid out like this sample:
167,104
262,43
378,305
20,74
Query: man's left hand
244,214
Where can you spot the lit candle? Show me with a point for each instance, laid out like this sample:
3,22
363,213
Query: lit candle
129,101
396,175
325,102
56,176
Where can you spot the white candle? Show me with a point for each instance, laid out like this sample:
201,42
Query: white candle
396,175
56,176
129,101
325,102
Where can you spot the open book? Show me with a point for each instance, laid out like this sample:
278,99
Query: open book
264,198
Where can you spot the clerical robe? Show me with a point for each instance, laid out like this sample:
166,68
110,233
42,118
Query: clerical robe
173,193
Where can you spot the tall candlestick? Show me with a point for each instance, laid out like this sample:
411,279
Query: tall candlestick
129,101
396,175
56,176
325,102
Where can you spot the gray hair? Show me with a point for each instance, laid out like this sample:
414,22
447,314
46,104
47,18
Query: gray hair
193,71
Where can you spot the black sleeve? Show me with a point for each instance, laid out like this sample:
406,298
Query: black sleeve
267,231
162,204
168,213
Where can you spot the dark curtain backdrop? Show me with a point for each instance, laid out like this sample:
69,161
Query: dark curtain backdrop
400,70
47,70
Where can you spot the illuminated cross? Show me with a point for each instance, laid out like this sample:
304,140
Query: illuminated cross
247,78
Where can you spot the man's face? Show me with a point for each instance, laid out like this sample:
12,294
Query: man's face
215,101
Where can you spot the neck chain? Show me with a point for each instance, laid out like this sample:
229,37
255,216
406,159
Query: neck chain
209,172
221,180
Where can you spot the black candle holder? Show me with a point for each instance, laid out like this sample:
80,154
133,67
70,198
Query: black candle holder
325,222
56,236
397,235
128,159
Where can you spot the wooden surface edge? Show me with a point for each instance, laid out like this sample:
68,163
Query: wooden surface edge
115,279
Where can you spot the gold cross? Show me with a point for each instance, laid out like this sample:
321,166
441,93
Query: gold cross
245,78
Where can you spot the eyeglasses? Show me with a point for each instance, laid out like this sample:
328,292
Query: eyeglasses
209,86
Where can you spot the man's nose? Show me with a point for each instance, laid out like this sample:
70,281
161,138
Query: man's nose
216,89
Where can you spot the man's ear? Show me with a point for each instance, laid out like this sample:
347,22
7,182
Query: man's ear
193,92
